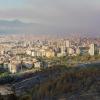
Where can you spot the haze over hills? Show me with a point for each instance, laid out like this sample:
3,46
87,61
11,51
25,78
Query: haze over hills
50,17
17,27
20,27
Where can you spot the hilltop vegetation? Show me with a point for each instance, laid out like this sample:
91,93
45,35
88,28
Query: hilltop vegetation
68,61
69,83
75,81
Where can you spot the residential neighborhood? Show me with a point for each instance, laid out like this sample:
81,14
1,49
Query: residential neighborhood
19,56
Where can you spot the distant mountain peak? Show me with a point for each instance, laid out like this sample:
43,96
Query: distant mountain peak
17,21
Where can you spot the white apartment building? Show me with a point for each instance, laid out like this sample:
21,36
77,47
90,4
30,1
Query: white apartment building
67,43
71,51
28,52
92,49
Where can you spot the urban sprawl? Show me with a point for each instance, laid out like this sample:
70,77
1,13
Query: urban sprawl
18,55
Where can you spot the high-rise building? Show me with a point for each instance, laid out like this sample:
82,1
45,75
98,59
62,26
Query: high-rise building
67,43
92,49
63,50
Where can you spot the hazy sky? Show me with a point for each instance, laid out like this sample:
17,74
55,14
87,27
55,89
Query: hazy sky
63,15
